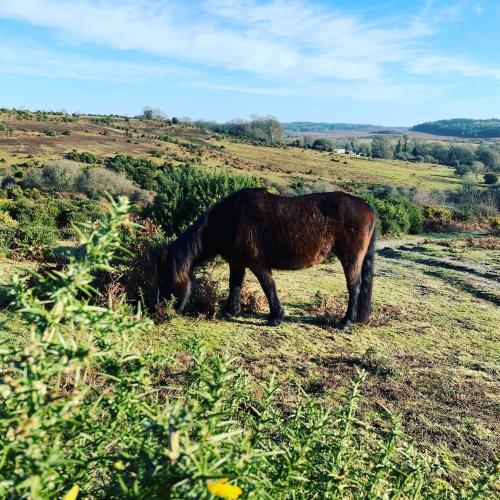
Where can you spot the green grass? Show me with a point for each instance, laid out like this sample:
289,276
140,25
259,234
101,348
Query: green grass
279,164
441,343
438,340
431,350
437,344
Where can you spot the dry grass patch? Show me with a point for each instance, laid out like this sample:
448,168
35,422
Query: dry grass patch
330,308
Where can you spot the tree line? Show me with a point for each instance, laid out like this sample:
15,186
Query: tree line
461,127
463,158
267,129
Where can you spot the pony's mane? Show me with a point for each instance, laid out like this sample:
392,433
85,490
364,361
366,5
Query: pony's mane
188,247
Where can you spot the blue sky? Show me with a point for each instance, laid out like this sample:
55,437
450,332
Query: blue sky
382,62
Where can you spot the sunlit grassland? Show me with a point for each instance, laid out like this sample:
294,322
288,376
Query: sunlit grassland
432,348
439,345
283,164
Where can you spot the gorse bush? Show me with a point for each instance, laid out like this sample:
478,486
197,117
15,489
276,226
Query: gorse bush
437,213
84,157
143,172
81,410
184,193
31,222
396,215
33,238
8,227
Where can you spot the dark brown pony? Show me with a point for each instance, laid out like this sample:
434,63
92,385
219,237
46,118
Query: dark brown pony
261,231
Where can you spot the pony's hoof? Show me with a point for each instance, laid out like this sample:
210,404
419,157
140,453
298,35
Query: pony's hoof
345,324
274,321
228,314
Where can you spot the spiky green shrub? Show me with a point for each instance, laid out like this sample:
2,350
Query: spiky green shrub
396,215
83,157
32,222
140,170
80,409
184,193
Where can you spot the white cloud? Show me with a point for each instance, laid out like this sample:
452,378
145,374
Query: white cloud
37,61
434,64
288,43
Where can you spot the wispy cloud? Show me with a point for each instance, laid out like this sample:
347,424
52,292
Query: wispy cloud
286,43
34,60
435,64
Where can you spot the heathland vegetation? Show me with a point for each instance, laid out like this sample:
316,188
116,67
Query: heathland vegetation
105,391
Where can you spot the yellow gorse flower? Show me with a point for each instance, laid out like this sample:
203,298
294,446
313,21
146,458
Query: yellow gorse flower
223,489
119,465
72,493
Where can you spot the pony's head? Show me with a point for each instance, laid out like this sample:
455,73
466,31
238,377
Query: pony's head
176,263
173,280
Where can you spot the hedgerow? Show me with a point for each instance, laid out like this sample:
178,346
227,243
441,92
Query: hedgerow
81,410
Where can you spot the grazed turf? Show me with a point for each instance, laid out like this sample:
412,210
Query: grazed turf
432,348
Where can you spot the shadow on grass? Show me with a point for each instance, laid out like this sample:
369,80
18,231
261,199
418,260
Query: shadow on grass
260,319
392,253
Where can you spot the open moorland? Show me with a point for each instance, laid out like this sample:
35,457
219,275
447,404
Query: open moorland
431,349
31,140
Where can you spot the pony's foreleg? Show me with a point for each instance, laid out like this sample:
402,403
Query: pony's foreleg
277,313
233,304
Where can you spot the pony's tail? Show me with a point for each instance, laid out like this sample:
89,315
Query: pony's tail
365,293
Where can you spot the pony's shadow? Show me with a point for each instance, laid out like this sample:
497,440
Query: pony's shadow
260,320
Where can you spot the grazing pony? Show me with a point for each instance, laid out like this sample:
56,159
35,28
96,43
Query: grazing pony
254,229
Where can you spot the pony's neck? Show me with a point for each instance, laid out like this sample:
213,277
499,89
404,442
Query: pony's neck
190,249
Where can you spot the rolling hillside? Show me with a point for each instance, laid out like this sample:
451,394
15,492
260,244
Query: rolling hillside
30,140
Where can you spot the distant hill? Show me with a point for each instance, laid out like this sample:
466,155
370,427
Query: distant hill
461,127
319,127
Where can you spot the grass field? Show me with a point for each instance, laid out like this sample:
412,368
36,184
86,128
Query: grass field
432,348
288,164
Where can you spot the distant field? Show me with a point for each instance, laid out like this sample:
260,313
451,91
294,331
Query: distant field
29,141
284,164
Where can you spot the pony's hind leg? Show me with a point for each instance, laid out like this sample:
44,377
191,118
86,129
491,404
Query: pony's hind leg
232,307
352,271
277,313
